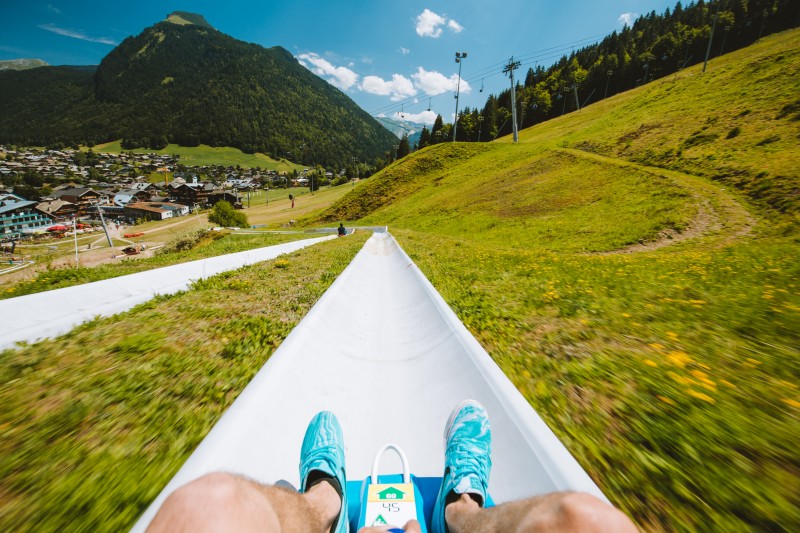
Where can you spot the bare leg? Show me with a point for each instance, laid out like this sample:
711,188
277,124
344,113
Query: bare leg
562,511
225,502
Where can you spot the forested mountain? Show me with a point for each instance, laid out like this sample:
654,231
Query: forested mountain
653,47
181,81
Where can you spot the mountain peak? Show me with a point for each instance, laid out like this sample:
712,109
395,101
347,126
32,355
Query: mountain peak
183,18
21,64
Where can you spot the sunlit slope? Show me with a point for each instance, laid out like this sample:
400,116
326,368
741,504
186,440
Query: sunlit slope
671,373
552,199
738,123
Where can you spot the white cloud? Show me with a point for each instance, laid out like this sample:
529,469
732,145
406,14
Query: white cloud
428,24
398,88
54,9
455,26
404,51
77,34
340,77
433,83
426,117
626,19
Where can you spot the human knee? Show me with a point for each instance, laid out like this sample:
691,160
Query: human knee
210,491
583,512
576,511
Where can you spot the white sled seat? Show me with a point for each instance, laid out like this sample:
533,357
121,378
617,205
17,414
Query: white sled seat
383,351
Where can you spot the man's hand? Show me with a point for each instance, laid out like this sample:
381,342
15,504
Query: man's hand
412,526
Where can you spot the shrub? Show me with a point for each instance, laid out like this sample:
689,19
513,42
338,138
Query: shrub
225,215
184,241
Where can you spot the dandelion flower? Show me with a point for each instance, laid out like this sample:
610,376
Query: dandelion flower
679,358
701,396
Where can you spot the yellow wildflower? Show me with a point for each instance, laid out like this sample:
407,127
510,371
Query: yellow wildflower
791,403
679,358
701,396
648,362
665,399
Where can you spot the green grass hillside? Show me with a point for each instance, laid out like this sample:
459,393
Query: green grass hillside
209,155
632,267
738,123
646,302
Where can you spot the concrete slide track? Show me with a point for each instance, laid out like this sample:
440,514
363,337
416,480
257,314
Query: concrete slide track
48,314
383,351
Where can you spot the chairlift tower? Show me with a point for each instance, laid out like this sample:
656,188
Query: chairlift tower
509,69
459,57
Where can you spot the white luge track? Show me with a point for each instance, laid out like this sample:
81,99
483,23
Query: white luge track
383,351
48,314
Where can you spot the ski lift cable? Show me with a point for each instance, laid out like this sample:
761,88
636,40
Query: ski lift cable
489,72
495,69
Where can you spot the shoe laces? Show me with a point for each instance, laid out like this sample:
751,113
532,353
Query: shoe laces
322,453
469,459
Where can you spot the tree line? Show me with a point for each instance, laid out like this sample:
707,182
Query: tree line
653,47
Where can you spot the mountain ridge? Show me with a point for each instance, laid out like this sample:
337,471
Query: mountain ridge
22,64
191,84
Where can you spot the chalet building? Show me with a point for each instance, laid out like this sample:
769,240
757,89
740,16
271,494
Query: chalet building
149,187
245,184
126,196
59,210
155,210
201,195
18,217
80,196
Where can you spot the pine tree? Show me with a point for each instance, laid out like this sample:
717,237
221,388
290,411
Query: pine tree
424,138
438,124
404,148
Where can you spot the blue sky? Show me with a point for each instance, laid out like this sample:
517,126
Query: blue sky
390,56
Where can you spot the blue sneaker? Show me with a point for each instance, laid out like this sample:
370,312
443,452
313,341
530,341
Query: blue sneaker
467,459
322,458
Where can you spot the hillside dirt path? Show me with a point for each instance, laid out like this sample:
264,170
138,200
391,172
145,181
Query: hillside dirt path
719,213
183,220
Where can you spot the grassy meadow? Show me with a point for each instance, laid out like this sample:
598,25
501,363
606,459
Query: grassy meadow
209,155
97,421
632,268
